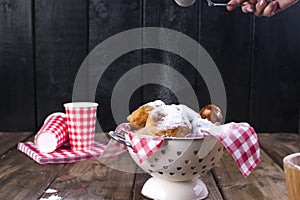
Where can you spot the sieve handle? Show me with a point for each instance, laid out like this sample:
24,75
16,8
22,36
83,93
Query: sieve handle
212,4
119,138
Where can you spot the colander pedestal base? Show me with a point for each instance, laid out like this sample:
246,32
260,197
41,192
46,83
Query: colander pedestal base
155,188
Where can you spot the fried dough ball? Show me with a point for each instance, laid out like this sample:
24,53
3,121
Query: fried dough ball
138,118
212,113
167,120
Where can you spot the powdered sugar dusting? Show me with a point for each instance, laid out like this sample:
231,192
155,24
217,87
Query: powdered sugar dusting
201,126
169,116
52,197
156,103
50,191
189,113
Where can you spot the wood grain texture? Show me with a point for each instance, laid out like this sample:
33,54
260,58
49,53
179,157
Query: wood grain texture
22,178
16,66
93,180
61,33
11,139
278,145
275,77
226,36
140,180
265,182
214,191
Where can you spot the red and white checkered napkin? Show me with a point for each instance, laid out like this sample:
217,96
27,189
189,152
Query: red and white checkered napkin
143,146
241,142
62,155
113,149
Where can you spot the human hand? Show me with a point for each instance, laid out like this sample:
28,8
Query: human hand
262,7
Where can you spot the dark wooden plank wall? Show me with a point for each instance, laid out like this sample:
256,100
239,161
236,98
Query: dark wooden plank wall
107,19
61,34
17,87
275,90
43,43
227,38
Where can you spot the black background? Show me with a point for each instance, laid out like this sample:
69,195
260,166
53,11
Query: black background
43,43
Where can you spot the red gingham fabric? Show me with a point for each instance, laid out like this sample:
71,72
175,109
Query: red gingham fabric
81,127
62,155
241,142
113,147
56,124
144,146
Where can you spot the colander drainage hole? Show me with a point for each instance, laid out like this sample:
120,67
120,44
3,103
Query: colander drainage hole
193,167
219,149
183,174
179,153
156,159
165,167
187,162
161,173
172,173
150,170
213,164
194,173
179,168
203,172
200,160
212,159
196,152
204,167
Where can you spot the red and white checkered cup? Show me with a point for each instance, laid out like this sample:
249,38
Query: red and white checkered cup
53,133
81,122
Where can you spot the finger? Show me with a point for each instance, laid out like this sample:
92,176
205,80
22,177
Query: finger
270,9
230,8
252,2
248,8
259,8
285,4
240,1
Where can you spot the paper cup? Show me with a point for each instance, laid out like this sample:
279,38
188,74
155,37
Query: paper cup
53,133
291,165
81,122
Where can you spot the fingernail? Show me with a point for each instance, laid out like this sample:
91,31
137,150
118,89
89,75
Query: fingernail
250,9
262,3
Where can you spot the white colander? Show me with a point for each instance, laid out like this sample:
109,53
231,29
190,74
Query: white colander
176,166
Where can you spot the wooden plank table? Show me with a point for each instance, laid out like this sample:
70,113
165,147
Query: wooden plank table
23,178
